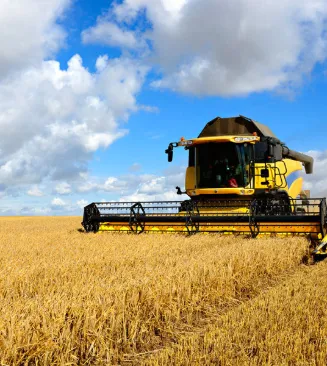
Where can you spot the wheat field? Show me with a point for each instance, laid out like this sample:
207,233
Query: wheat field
70,298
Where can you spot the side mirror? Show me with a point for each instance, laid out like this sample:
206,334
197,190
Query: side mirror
170,156
169,151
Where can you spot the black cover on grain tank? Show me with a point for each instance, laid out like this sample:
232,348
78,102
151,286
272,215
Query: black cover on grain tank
235,126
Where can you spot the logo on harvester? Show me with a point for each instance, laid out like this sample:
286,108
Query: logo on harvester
187,142
244,139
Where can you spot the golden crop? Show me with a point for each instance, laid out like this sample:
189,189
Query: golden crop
72,298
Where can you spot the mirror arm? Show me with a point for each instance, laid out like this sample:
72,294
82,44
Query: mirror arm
170,149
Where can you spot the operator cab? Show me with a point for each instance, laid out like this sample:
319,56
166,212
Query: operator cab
221,165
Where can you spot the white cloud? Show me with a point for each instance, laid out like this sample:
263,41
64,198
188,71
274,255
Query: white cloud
26,210
41,211
153,186
159,188
63,117
210,47
63,188
57,206
35,192
112,184
316,182
29,32
87,186
81,203
142,187
137,196
117,185
110,34
53,119
58,202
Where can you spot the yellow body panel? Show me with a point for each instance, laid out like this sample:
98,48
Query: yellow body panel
296,188
239,191
277,173
190,182
278,228
292,166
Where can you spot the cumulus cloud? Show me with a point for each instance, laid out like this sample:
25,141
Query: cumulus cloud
40,211
64,207
227,48
118,185
316,182
27,211
109,34
139,187
63,117
63,188
29,32
58,202
137,196
158,188
81,203
125,188
35,192
52,117
153,186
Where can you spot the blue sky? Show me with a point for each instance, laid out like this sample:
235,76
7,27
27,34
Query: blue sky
91,93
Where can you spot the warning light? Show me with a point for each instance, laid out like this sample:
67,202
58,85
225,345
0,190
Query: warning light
255,134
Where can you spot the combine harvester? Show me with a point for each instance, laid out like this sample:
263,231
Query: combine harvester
240,179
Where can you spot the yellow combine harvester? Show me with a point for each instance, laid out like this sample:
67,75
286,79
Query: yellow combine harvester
240,179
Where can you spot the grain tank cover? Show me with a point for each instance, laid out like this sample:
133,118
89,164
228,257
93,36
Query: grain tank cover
235,126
